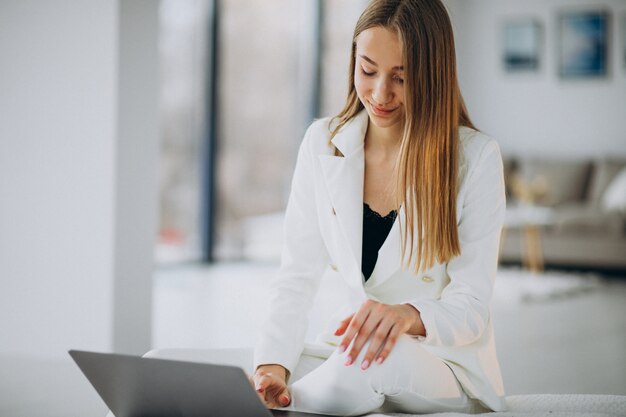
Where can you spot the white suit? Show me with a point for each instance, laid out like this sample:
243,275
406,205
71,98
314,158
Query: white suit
323,225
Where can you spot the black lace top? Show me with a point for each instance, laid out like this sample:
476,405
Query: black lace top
375,231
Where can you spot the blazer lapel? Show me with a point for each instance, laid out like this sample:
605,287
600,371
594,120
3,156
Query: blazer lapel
344,180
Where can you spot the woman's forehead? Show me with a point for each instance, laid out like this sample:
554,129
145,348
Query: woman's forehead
380,45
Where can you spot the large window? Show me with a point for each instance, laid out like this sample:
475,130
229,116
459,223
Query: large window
260,119
276,66
339,19
183,47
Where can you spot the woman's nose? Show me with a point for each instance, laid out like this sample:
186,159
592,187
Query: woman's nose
381,92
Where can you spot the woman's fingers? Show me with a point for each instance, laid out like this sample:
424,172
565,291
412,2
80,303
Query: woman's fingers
382,324
272,391
278,396
354,327
277,399
343,325
379,340
284,398
260,390
261,382
390,342
368,328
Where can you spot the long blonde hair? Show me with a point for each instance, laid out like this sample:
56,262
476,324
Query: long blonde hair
427,166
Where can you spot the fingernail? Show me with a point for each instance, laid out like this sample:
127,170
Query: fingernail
284,400
349,361
380,360
342,348
365,364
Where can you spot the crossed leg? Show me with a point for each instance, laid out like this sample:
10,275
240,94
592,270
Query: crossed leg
411,380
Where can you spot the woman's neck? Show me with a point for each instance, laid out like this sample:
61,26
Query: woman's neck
384,142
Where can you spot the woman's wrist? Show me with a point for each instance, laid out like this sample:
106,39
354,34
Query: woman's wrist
274,369
417,326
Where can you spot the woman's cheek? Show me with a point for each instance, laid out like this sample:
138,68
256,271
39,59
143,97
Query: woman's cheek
359,86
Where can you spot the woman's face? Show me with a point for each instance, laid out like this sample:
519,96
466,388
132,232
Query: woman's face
379,76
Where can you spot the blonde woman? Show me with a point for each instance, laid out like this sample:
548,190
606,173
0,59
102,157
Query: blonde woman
404,198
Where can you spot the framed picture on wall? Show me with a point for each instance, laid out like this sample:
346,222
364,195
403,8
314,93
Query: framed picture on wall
521,45
583,50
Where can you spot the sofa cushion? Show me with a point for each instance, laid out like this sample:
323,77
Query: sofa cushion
566,181
603,173
583,220
614,197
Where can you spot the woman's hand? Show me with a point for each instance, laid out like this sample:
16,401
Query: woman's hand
384,322
269,381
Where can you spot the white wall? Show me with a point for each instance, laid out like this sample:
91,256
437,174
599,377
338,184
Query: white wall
540,113
65,186
136,184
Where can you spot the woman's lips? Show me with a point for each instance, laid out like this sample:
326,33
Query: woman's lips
380,111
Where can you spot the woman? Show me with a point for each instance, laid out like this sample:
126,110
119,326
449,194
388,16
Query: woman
417,334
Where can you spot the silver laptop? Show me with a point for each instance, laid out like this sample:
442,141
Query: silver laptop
133,386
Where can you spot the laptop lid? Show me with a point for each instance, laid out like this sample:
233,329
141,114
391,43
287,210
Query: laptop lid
133,386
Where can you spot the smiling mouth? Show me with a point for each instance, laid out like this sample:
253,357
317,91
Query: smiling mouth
380,110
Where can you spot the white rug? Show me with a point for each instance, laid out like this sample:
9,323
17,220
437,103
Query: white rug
514,285
544,405
550,405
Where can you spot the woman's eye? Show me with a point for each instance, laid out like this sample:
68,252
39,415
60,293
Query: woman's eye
369,74
399,80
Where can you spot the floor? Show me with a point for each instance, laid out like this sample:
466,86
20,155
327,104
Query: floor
555,333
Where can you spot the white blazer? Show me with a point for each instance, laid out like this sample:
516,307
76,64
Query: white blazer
323,226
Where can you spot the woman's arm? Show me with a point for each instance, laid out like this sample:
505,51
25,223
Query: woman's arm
304,257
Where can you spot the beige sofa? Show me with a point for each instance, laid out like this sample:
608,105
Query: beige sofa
580,233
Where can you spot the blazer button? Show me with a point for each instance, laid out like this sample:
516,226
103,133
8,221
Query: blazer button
334,212
333,267
427,279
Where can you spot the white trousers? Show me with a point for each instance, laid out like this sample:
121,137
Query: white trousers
411,380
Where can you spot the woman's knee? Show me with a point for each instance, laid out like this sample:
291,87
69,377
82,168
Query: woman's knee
405,346
409,353
334,388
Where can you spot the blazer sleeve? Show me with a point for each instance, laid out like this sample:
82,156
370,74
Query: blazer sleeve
304,257
462,313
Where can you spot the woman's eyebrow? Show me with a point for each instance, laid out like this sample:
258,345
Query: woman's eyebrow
398,67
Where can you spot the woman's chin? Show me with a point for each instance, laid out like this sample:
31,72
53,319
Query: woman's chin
383,122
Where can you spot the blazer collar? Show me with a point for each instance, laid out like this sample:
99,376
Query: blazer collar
351,137
344,180
343,176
